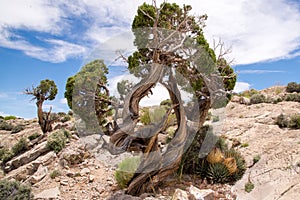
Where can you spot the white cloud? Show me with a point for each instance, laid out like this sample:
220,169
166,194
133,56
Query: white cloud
257,30
3,114
63,101
241,86
259,71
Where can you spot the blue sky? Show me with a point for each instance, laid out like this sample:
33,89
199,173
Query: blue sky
53,39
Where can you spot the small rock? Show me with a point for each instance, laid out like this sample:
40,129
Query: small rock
180,195
64,182
52,193
91,178
70,173
85,171
38,175
198,194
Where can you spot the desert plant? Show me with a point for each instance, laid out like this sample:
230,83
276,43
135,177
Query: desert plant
218,173
215,118
10,117
282,121
215,156
126,170
167,103
145,117
244,145
20,147
157,114
55,173
13,190
33,136
17,128
248,93
257,98
292,97
230,163
249,186
57,141
5,154
293,87
256,158
65,118
5,126
294,121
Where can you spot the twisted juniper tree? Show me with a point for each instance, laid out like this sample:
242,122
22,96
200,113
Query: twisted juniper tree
46,90
171,51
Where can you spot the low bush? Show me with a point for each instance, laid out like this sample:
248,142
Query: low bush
292,97
5,154
55,173
10,117
14,190
256,158
257,98
294,121
145,117
126,170
5,126
65,118
20,147
17,128
248,93
293,87
57,141
249,187
33,136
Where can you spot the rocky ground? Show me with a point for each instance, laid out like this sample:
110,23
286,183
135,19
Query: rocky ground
83,170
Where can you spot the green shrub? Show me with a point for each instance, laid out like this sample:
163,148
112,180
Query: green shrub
10,117
55,173
145,117
167,103
215,118
293,87
257,98
248,93
57,141
228,166
126,170
33,136
244,145
292,97
157,114
20,147
249,187
282,121
17,128
5,154
13,190
66,118
294,121
5,126
256,158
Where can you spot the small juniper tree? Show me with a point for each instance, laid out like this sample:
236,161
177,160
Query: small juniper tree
47,90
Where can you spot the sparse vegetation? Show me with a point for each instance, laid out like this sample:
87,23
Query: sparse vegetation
57,141
293,87
249,186
256,158
20,147
17,128
244,145
55,173
288,121
249,93
257,98
33,136
10,117
5,126
5,154
292,97
126,170
14,190
145,117
216,118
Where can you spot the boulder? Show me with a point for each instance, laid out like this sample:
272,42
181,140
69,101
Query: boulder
49,194
180,195
38,175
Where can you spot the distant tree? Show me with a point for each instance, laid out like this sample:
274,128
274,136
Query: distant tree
87,94
47,90
124,87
